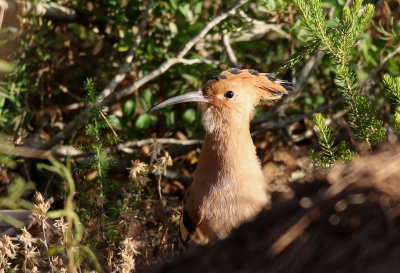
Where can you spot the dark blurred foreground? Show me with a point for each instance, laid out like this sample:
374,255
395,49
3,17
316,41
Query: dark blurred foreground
346,220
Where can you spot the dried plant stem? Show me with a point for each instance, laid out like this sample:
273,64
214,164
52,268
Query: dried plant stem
45,243
161,197
70,242
103,115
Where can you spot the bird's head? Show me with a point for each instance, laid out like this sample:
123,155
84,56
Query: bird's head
230,97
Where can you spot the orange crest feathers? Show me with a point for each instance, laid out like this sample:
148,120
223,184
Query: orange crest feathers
266,85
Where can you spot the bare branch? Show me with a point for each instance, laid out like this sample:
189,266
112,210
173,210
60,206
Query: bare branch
24,151
223,15
62,151
142,142
199,61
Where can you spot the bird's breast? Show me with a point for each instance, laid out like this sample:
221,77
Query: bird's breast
228,186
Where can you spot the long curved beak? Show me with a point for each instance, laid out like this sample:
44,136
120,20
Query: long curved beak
196,96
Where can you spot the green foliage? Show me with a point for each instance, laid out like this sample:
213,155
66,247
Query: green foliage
396,119
392,33
13,199
15,191
189,115
337,39
392,87
135,123
98,129
98,193
362,113
143,122
6,67
129,109
352,23
330,152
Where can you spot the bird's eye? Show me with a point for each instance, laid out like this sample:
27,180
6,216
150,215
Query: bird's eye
229,94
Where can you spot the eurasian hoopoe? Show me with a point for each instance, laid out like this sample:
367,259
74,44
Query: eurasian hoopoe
228,185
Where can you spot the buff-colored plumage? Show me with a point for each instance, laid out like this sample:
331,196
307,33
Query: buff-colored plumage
228,185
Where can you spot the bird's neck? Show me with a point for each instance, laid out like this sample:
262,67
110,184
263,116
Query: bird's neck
228,141
228,159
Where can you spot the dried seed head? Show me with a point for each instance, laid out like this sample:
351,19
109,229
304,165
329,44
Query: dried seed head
62,226
7,252
168,159
26,238
41,207
160,167
31,254
128,253
137,170
7,248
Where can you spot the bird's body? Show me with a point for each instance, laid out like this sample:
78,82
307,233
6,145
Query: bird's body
225,191
228,185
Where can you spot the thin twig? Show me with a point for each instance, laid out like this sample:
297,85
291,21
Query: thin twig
229,50
294,231
163,236
148,141
268,126
372,77
78,121
62,151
